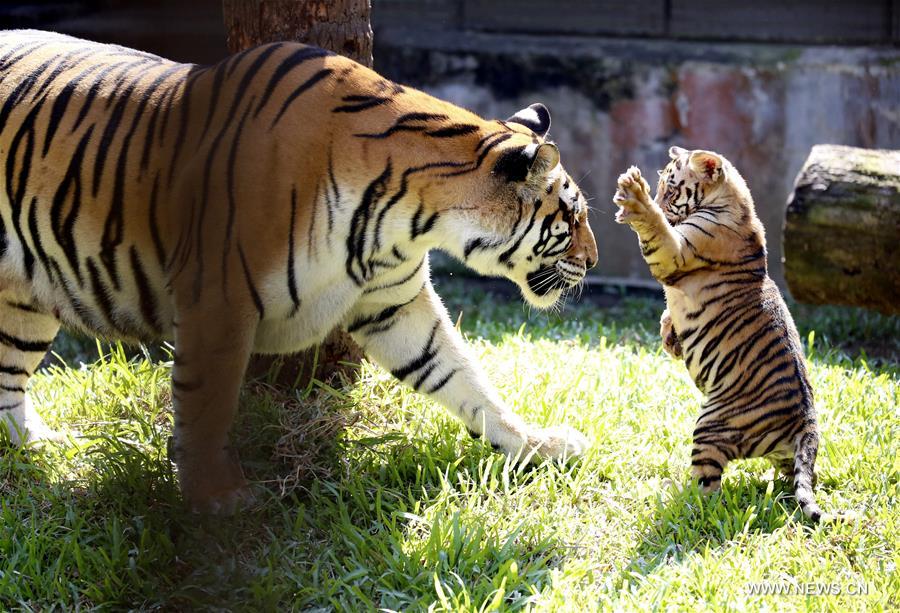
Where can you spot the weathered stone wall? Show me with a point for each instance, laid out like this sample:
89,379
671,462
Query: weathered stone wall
617,102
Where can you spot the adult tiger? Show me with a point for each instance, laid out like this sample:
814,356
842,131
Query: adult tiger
253,205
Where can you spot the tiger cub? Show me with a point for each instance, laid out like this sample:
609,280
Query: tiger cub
726,318
251,207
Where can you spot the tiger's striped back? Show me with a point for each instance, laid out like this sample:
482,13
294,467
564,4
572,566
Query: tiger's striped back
253,206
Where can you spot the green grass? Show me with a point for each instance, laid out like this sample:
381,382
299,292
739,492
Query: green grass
401,509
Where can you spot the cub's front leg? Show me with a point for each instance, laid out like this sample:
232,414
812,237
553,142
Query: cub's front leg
663,248
415,340
669,337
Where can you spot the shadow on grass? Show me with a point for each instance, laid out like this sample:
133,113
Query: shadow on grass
686,522
380,522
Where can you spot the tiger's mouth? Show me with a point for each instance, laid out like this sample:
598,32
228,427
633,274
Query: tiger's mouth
548,282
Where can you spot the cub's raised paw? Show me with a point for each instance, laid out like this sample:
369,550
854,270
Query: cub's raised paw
632,196
559,443
670,342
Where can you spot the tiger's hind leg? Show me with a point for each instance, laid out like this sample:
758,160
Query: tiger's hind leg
26,333
707,463
806,448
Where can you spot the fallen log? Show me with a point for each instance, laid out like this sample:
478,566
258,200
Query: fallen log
841,240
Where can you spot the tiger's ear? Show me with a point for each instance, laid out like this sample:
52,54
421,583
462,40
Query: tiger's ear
536,118
546,158
526,163
676,152
707,165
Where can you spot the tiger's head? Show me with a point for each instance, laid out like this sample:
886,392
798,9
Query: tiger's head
520,215
693,179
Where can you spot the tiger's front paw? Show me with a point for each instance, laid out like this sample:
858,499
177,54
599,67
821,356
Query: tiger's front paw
558,443
212,482
632,196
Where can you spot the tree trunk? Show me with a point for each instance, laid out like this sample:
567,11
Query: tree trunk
842,229
341,26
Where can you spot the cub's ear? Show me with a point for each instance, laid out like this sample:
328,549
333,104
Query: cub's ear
676,152
707,165
536,118
526,163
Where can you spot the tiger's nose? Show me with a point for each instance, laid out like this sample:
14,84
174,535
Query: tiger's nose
585,260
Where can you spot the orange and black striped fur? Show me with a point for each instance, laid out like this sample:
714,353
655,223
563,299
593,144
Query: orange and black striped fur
252,206
726,318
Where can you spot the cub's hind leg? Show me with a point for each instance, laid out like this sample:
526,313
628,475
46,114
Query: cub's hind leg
212,348
26,333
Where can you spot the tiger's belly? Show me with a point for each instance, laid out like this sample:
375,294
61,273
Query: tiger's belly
323,306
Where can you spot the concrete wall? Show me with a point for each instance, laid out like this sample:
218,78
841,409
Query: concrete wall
617,102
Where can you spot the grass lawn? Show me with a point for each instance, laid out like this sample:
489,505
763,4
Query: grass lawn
373,497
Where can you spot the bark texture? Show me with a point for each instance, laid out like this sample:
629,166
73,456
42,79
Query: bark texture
342,26
842,229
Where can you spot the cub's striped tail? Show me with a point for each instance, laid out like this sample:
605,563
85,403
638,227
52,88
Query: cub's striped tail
805,450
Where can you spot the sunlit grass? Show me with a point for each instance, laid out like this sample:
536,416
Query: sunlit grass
406,511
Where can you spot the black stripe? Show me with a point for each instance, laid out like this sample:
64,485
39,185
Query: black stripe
336,193
356,238
216,91
428,353
504,257
310,82
184,106
13,370
479,244
442,382
36,237
101,294
292,277
21,306
17,185
229,188
24,345
64,229
378,318
155,234
451,131
146,295
289,63
367,103
399,282
61,104
418,229
257,301
113,229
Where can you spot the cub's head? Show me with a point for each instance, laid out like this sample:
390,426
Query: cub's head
518,214
694,180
